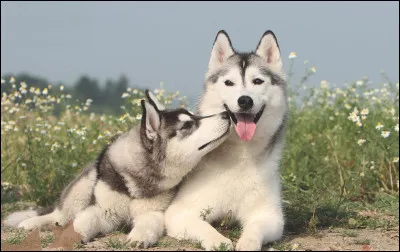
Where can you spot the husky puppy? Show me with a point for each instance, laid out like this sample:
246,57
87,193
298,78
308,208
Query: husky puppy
241,176
134,178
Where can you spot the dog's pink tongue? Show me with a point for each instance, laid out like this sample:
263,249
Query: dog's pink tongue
245,127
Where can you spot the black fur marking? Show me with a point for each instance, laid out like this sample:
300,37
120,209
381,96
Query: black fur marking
244,62
275,79
214,77
45,210
107,173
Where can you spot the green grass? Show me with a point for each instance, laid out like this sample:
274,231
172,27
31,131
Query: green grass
335,172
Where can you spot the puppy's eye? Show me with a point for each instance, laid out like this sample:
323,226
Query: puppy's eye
257,81
229,83
187,125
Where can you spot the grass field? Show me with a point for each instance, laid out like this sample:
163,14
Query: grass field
339,169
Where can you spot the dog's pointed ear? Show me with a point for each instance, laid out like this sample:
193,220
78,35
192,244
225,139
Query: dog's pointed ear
150,124
154,101
222,49
268,49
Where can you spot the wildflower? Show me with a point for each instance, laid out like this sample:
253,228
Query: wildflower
138,116
324,84
359,83
292,55
122,118
295,246
45,91
125,95
3,81
359,124
396,128
68,96
313,69
347,106
361,141
361,174
363,117
94,141
74,164
385,133
12,79
23,164
129,89
364,111
379,126
396,160
353,117
61,87
32,90
135,91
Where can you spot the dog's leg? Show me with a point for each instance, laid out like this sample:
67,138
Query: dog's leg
148,229
94,220
38,221
181,223
260,226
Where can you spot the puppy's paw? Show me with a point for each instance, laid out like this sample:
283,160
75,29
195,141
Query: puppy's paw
218,242
248,244
142,238
30,224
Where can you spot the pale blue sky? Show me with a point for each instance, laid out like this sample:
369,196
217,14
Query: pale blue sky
171,42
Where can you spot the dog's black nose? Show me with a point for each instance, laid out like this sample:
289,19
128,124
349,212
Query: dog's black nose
245,102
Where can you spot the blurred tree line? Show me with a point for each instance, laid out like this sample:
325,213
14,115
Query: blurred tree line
106,98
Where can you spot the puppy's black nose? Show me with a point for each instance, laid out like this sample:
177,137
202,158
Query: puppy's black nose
245,102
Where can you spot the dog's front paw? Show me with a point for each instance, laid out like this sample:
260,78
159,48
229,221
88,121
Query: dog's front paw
248,244
217,243
142,238
29,224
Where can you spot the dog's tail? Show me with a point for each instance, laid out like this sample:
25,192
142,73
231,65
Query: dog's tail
17,217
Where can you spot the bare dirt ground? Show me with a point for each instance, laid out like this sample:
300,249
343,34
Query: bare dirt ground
337,239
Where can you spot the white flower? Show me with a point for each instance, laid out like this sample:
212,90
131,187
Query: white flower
12,79
359,124
361,174
324,84
396,160
396,128
359,83
379,126
385,133
74,164
138,116
3,81
124,95
45,91
313,69
361,141
292,55
61,87
364,111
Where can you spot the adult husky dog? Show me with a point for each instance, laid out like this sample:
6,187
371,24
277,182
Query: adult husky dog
241,176
134,178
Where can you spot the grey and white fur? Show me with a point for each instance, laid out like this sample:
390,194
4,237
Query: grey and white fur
135,177
241,176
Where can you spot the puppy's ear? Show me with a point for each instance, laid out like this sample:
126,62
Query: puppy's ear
154,101
150,124
268,49
222,49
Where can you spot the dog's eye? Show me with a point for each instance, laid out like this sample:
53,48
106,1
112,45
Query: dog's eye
257,81
187,125
229,83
